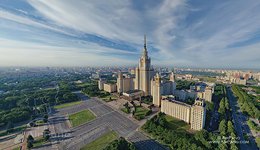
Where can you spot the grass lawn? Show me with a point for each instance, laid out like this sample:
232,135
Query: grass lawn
81,85
107,98
125,110
257,140
39,122
140,112
101,142
208,79
176,124
67,104
81,117
257,89
17,148
38,142
16,129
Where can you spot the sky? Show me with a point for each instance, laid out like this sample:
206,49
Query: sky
180,33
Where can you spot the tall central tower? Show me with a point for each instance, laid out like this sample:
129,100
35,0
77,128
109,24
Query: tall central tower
144,72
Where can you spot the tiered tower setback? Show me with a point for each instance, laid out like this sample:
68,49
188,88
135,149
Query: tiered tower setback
144,72
146,83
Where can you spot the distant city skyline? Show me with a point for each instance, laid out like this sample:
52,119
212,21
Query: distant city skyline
180,33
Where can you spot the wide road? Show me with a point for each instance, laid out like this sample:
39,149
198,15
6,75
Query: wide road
213,126
107,119
240,123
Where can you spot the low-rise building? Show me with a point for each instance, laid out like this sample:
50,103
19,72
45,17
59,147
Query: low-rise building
133,94
201,91
110,87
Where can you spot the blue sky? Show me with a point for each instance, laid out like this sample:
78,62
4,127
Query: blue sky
180,33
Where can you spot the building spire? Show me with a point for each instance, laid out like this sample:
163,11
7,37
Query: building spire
145,49
144,41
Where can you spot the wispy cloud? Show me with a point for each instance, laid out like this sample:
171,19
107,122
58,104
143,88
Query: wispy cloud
24,54
180,32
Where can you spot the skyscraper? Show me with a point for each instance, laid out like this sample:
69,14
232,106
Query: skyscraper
147,83
144,72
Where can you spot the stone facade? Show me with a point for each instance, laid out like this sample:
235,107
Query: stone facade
176,109
133,95
144,72
156,90
207,94
124,84
108,87
193,114
198,115
101,83
160,88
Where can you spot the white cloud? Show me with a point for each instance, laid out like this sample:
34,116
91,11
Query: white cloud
31,54
202,40
111,19
208,40
27,21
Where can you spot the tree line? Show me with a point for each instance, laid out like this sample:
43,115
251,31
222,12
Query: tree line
20,106
174,139
120,144
246,102
184,84
226,127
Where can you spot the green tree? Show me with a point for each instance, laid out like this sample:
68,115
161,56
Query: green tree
45,118
30,138
202,136
221,108
29,145
222,127
133,112
209,106
46,134
233,146
230,127
120,144
226,104
223,146
46,137
10,126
